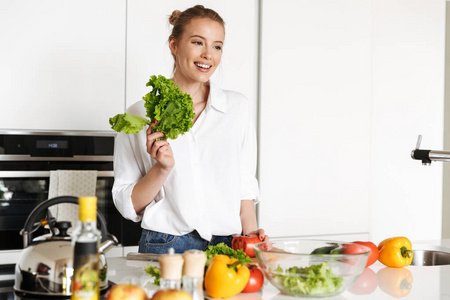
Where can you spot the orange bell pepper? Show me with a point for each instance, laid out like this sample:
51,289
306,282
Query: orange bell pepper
225,277
395,252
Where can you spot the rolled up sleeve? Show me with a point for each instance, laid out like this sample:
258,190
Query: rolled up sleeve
127,172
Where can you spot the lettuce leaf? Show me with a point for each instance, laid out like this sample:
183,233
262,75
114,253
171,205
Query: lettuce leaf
128,123
222,248
169,106
155,272
313,280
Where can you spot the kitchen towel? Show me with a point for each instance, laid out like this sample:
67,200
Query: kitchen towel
70,183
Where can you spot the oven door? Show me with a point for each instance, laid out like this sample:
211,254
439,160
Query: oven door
22,191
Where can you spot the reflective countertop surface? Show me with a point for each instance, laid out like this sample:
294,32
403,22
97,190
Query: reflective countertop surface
376,282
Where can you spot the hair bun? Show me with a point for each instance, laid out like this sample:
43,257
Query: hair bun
173,18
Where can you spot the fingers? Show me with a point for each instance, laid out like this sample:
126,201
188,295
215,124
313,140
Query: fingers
262,235
261,232
151,139
158,148
150,128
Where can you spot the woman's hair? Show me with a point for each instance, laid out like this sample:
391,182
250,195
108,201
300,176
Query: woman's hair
179,20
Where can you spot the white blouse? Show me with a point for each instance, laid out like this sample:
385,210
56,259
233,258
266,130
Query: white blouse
215,166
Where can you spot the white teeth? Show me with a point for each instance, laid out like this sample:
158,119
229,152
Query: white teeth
202,66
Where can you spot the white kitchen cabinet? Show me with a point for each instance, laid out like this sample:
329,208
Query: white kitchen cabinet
315,118
346,87
148,52
408,100
62,63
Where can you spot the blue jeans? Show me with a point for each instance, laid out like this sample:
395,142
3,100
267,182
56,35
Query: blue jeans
159,243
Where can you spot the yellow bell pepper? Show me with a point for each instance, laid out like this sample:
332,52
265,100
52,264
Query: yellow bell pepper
395,252
225,277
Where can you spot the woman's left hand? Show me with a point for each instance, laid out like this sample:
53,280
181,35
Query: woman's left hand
260,233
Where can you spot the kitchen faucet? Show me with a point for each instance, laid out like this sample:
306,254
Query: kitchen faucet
426,156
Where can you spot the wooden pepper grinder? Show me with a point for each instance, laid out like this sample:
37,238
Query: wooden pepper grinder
194,268
171,265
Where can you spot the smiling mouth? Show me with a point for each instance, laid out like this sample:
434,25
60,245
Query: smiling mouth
202,66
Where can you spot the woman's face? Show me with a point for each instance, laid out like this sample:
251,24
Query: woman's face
199,51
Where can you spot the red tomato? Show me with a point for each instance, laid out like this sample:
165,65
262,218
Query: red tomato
256,280
366,284
374,253
245,243
351,249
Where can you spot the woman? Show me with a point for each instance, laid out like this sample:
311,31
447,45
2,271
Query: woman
199,189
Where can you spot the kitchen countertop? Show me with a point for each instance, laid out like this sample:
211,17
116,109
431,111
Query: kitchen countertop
428,282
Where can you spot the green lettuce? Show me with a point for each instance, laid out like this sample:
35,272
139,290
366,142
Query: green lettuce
128,123
224,249
155,272
167,104
313,280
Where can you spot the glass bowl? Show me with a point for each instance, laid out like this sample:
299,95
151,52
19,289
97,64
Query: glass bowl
311,268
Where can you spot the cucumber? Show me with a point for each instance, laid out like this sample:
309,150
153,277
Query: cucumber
325,249
336,251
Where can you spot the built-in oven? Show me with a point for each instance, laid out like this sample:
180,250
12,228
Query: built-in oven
26,159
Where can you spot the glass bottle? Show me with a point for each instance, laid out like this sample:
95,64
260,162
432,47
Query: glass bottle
85,241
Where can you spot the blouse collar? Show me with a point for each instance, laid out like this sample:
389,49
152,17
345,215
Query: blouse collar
217,98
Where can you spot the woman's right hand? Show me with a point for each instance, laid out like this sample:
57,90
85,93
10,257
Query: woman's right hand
159,150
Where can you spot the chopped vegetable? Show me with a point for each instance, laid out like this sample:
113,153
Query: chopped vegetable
167,104
245,242
313,280
128,123
155,272
222,248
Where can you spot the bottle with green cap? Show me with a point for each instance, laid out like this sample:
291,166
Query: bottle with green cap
86,238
